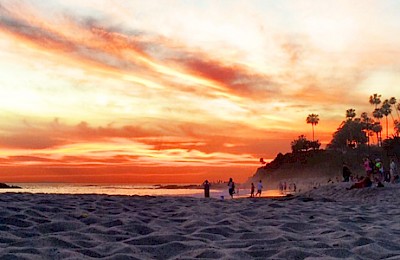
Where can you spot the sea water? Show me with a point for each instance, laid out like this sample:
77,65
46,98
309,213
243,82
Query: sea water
109,189
125,189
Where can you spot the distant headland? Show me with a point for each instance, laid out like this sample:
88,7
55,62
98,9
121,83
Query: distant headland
5,186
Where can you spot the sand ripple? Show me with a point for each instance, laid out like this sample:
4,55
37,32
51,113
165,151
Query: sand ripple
325,223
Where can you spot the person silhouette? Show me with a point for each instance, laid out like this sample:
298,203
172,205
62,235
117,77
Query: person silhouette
259,188
231,187
252,190
206,185
346,173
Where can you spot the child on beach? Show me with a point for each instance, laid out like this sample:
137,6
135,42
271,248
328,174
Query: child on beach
259,189
252,190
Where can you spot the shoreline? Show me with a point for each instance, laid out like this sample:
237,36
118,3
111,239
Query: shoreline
326,222
129,190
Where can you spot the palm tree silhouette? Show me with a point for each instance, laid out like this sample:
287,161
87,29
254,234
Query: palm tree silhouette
313,120
350,114
386,110
377,128
367,124
397,127
398,109
392,102
375,100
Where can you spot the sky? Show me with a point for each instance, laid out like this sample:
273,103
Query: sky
180,91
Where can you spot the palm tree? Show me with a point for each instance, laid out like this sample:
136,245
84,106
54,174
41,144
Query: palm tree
350,114
397,127
366,121
398,109
375,100
392,102
313,120
377,128
386,110
367,124
365,118
378,115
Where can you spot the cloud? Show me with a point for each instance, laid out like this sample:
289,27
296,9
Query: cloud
236,79
30,159
59,144
30,141
137,86
143,54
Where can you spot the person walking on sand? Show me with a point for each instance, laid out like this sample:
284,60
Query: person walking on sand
259,188
252,190
231,187
206,185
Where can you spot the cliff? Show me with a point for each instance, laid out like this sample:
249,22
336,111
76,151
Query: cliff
320,165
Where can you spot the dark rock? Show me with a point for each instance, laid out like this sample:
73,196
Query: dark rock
5,186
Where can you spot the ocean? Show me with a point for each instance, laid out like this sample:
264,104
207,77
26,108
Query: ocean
126,189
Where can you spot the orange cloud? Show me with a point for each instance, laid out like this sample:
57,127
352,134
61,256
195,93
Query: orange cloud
126,150
137,97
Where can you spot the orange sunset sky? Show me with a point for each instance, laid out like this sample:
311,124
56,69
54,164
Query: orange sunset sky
179,91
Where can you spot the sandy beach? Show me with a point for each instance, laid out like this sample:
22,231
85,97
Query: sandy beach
325,223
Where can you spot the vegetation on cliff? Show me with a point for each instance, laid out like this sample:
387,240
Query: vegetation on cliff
355,139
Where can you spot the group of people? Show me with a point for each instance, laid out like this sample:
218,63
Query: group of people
283,187
259,189
232,189
375,172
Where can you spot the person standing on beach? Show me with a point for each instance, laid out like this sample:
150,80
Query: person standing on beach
231,187
259,188
379,167
252,190
346,173
367,167
206,185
